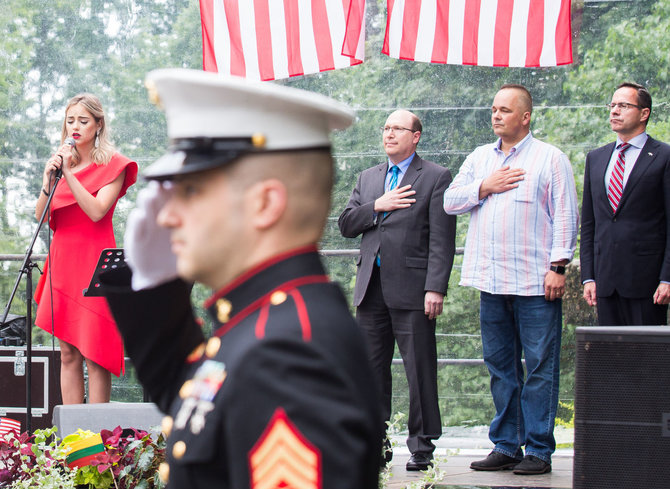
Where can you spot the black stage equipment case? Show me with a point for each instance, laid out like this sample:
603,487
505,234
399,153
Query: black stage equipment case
45,390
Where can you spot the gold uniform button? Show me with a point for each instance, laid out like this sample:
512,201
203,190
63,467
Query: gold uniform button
179,449
197,353
258,140
213,346
223,310
166,425
186,389
278,297
164,472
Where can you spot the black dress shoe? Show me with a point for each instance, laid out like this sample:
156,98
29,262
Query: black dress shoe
531,465
419,461
495,461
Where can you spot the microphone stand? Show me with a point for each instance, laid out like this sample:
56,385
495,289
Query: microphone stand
27,269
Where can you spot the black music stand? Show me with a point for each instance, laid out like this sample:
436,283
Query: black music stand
110,259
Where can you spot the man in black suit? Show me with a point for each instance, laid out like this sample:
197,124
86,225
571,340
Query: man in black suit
625,251
407,251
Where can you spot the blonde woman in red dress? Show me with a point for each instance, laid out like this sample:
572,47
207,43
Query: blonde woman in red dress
94,177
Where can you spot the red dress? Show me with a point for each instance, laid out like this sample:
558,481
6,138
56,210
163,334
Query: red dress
84,322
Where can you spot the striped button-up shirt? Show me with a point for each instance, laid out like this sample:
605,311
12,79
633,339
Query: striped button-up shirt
514,236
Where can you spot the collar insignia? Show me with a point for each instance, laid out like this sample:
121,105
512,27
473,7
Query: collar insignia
223,310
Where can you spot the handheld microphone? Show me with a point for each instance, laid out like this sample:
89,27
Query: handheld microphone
70,142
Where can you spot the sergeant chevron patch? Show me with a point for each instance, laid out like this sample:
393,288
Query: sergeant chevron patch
283,457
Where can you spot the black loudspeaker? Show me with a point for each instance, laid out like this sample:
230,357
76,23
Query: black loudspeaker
622,408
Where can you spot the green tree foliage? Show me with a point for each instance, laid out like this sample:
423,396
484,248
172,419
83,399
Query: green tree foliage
625,48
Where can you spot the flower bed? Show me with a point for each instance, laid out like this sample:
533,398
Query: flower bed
127,459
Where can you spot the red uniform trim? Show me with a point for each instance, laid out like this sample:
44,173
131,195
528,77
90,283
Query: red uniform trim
301,307
285,287
257,269
263,316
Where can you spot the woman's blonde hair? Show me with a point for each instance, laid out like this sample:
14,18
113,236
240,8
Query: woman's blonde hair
105,149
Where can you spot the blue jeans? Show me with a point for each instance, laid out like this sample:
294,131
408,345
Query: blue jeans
525,409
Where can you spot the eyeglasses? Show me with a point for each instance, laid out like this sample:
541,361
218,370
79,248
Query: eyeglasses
395,129
622,106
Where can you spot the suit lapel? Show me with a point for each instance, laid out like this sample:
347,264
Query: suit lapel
647,155
413,171
380,179
379,183
600,163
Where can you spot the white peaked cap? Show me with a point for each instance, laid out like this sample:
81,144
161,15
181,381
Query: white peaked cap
213,119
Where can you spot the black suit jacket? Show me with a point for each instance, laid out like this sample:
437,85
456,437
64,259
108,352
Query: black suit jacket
627,251
417,243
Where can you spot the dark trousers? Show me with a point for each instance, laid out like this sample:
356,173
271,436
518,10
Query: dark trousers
415,335
615,310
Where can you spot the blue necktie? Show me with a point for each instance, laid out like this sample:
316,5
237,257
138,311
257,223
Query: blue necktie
393,183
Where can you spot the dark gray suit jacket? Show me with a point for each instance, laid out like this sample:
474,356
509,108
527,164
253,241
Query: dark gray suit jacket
417,243
627,251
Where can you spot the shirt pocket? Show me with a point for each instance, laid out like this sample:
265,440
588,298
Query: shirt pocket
527,189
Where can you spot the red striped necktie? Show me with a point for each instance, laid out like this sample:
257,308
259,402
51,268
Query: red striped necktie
615,188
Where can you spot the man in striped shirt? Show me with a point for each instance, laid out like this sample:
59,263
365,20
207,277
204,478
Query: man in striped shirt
521,196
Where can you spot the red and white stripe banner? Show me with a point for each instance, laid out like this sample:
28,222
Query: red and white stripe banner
272,39
8,424
480,32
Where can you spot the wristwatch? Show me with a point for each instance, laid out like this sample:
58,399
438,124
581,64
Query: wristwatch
559,269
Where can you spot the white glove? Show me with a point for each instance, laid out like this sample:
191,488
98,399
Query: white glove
146,244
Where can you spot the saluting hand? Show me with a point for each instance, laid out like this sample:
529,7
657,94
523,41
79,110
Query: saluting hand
147,245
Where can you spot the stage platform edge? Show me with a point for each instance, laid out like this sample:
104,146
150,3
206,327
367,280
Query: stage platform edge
107,416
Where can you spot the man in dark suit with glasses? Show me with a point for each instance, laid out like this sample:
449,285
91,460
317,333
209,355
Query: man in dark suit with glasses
407,251
625,252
